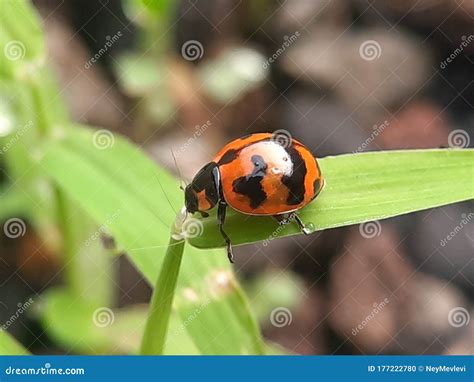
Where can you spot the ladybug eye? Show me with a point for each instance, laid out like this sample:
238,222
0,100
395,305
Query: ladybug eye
285,159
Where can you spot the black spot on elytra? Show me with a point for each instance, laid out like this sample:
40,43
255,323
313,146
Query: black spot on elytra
228,157
295,181
251,185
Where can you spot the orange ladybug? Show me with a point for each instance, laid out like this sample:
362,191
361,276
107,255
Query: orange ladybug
259,174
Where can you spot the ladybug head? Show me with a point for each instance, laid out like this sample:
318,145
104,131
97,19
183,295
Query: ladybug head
203,192
191,199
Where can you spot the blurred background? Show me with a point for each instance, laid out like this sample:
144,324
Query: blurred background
341,76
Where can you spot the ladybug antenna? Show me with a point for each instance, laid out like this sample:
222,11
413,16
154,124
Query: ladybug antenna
166,196
180,175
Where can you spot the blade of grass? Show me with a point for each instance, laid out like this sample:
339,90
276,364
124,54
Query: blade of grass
121,178
160,307
83,328
12,204
364,187
21,40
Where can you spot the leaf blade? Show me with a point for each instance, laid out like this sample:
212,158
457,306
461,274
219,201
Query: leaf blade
364,187
121,178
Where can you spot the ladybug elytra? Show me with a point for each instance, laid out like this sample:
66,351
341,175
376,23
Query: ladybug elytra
256,175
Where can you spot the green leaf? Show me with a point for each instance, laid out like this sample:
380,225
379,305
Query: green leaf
363,187
272,289
12,204
157,7
236,72
85,328
87,266
106,175
139,75
21,40
69,320
10,346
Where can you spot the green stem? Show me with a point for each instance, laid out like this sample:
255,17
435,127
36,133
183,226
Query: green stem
12,203
72,273
41,118
154,337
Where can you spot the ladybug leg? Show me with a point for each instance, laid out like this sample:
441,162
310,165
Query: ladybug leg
300,223
220,221
282,219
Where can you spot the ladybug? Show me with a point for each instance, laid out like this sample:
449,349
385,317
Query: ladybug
258,174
